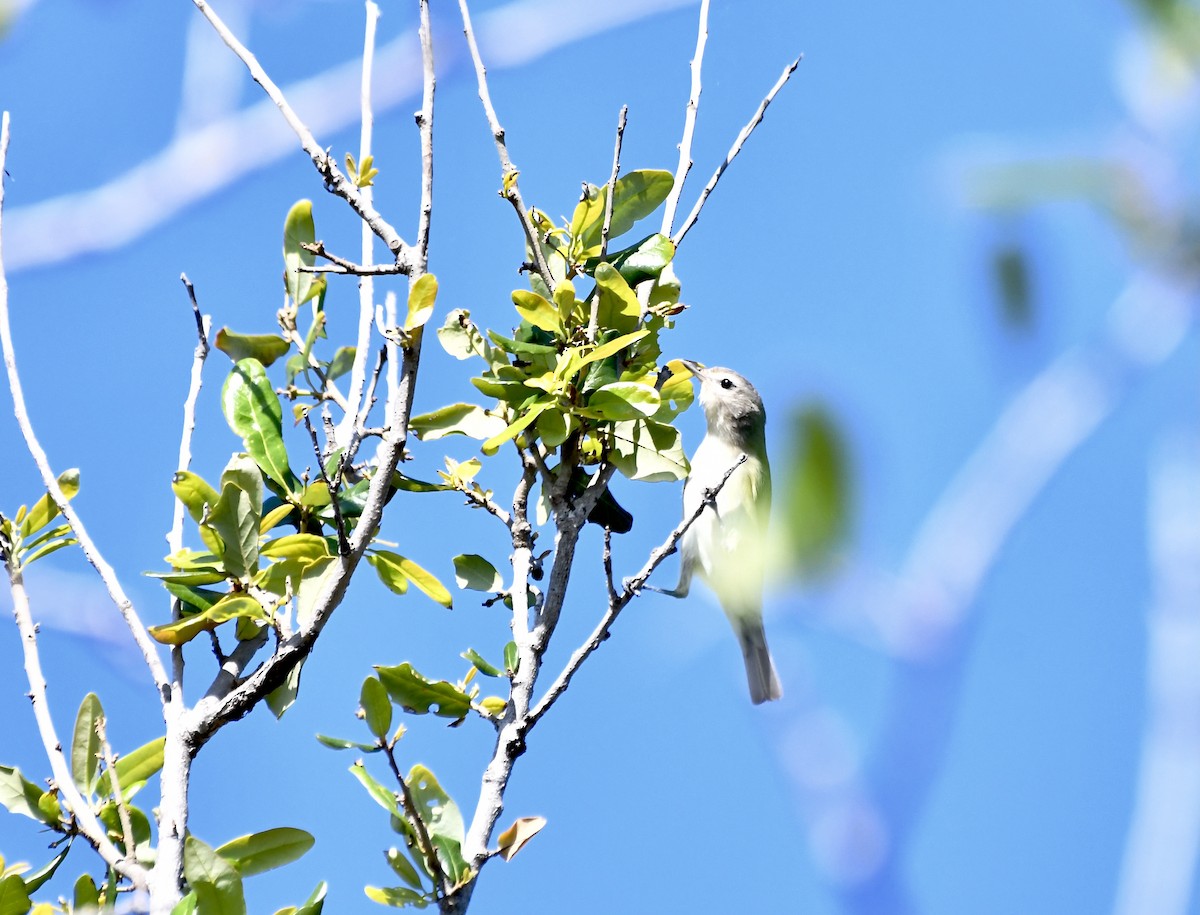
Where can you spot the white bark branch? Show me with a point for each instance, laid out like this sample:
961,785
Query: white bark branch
689,123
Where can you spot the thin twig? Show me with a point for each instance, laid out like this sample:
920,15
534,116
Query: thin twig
203,326
606,559
510,191
347,267
441,882
425,123
334,180
114,778
90,827
593,320
630,590
689,123
339,521
736,148
148,648
353,420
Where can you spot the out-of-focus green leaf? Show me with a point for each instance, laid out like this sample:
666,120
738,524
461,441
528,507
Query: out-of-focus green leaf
421,299
648,451
266,850
298,229
339,743
816,506
418,695
376,707
1014,282
35,880
134,769
185,906
266,348
138,821
473,572
85,746
481,665
622,400
253,411
22,796
459,418
86,894
215,881
398,897
341,363
14,900
512,659
44,510
403,868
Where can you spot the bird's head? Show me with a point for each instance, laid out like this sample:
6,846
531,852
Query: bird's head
732,406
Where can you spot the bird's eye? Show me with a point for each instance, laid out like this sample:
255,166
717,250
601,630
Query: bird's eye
727,383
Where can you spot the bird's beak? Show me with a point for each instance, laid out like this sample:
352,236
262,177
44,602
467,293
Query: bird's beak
694,367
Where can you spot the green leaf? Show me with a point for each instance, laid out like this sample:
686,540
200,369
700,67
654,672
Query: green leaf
537,311
644,261
230,607
236,516
396,572
267,850
303,547
339,743
253,412
512,658
623,400
474,572
619,308
134,769
397,897
315,902
460,337
403,868
44,510
215,881
298,229
341,363
138,821
376,707
85,747
492,445
197,496
614,346
480,664
266,348
635,196
648,451
86,895
816,504
420,696
37,879
186,905
194,598
382,796
459,418
283,697
421,298
554,427
22,796
14,900
443,821
408,484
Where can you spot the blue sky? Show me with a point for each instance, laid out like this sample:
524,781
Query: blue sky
988,763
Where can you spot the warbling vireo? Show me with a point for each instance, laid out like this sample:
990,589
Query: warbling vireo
727,546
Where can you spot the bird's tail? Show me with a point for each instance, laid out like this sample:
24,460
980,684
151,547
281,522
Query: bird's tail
760,669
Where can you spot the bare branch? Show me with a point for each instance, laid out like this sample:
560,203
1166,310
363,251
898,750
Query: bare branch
608,208
508,172
428,852
334,180
425,123
689,124
203,326
86,821
348,267
736,148
110,763
108,576
630,590
339,521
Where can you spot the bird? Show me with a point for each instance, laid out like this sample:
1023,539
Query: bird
726,544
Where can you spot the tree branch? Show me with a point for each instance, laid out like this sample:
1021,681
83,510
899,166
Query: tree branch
334,180
108,576
736,148
593,319
630,590
508,172
689,123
